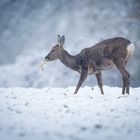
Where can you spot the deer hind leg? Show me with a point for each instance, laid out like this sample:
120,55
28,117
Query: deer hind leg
126,76
127,81
81,80
99,80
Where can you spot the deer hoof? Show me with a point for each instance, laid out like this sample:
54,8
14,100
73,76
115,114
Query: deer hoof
102,93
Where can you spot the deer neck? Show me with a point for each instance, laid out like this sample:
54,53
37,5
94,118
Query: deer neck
69,60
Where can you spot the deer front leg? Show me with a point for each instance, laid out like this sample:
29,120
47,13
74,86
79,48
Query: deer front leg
99,80
124,86
83,77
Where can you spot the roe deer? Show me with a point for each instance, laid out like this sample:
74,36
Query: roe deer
108,54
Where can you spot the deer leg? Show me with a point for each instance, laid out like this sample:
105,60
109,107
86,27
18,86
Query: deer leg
99,80
81,80
126,76
126,80
124,86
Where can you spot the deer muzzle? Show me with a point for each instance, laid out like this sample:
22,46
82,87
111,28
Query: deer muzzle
46,59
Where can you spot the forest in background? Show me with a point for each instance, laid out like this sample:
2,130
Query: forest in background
28,30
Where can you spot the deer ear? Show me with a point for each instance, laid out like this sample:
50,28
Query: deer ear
59,39
62,40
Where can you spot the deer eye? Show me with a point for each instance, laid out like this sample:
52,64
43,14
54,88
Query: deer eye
52,50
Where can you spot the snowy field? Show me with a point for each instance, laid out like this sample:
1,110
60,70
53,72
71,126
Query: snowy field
57,114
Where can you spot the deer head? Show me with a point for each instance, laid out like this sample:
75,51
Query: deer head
56,50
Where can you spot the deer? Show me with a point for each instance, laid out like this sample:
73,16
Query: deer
105,55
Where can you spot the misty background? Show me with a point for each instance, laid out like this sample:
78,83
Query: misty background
29,28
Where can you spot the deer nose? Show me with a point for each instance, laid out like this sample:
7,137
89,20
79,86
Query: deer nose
47,57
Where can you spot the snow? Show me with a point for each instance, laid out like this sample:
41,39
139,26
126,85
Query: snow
57,114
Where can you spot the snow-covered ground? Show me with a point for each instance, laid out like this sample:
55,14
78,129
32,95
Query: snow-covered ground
57,114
